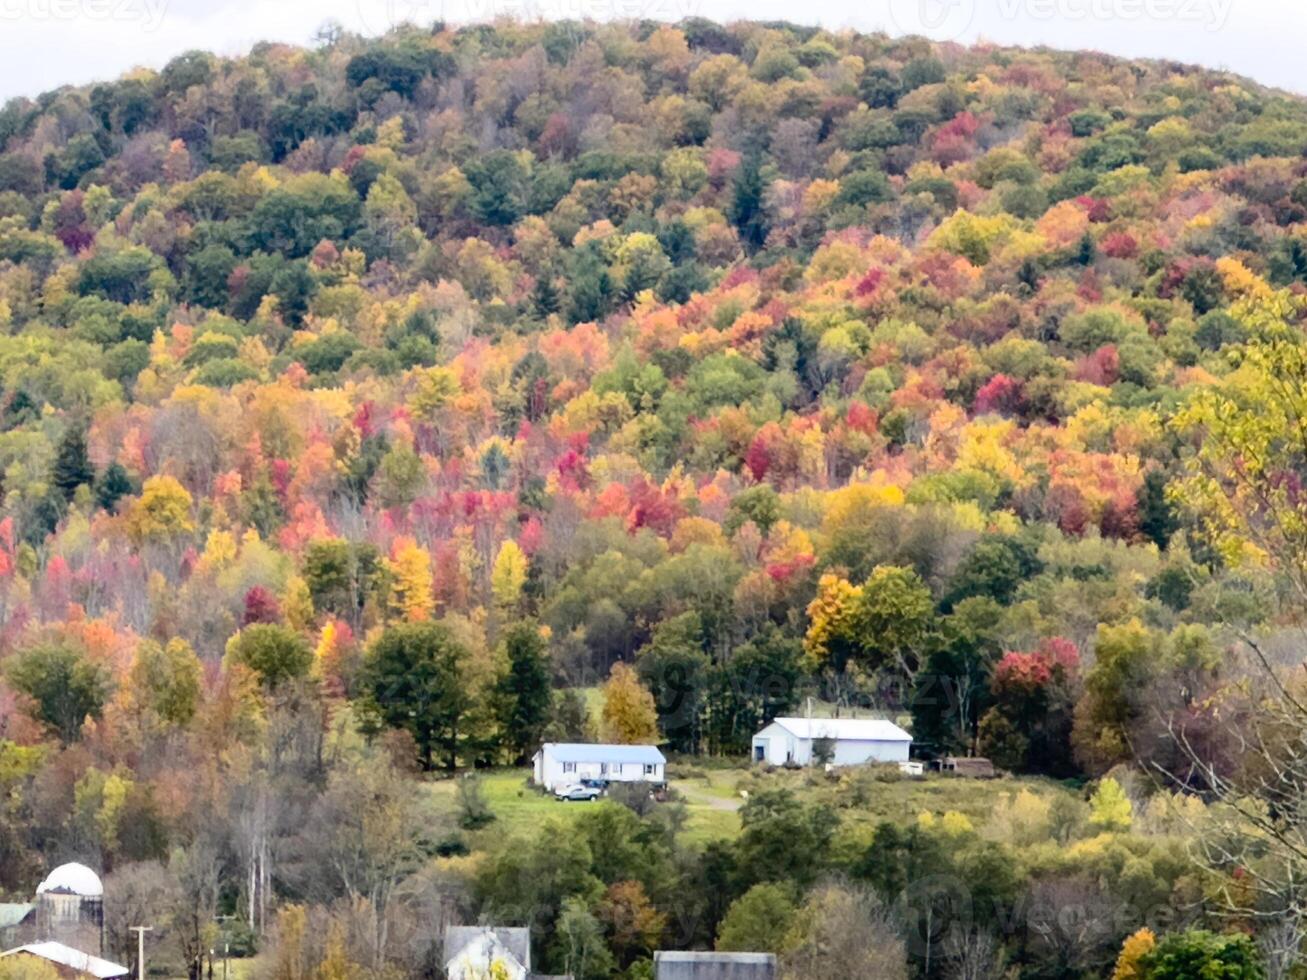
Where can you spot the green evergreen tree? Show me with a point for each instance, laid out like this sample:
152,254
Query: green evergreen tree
72,464
746,210
524,691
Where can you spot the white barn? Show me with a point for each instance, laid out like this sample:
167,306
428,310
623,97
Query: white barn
856,741
563,763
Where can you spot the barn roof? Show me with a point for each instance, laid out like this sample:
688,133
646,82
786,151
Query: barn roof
677,965
74,959
585,752
845,729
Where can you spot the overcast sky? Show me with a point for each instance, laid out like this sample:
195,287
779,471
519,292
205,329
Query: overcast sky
46,43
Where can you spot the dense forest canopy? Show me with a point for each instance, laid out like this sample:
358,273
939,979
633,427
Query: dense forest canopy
362,407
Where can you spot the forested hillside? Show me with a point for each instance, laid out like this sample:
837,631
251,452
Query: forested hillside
362,406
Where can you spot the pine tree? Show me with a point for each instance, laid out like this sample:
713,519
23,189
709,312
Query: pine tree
72,465
746,211
545,296
524,691
113,485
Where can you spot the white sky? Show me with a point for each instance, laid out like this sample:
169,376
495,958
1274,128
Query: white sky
46,43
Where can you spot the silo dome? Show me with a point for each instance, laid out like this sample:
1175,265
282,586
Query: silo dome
72,879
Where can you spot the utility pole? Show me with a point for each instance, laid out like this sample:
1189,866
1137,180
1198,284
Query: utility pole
140,949
226,941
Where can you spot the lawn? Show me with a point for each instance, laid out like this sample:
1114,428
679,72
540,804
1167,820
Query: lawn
713,797
519,809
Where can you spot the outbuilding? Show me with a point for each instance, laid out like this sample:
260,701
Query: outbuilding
563,763
850,741
678,965
477,951
67,962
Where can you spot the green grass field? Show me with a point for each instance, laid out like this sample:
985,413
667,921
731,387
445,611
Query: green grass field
519,809
713,797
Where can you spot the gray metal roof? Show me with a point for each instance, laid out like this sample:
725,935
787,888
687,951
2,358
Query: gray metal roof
74,959
516,939
677,965
12,913
585,752
845,729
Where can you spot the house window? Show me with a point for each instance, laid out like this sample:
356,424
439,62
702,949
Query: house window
650,769
603,769
569,767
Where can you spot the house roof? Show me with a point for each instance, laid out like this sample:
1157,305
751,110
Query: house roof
586,752
515,939
845,729
12,913
669,965
74,959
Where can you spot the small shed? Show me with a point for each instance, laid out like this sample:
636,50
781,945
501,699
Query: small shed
973,767
853,741
677,965
563,763
69,963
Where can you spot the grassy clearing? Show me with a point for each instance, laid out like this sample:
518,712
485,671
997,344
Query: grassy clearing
521,810
713,797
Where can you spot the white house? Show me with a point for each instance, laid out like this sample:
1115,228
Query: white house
856,741
471,951
562,763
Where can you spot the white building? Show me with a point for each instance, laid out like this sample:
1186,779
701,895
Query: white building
563,763
856,741
472,951
67,962
677,965
70,907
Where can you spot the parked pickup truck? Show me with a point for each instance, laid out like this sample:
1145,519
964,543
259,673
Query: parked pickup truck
578,791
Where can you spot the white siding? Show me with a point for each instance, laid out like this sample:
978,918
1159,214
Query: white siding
851,753
780,746
552,773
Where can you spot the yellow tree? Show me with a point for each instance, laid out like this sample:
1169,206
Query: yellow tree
1135,948
411,595
162,510
508,576
629,716
830,617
